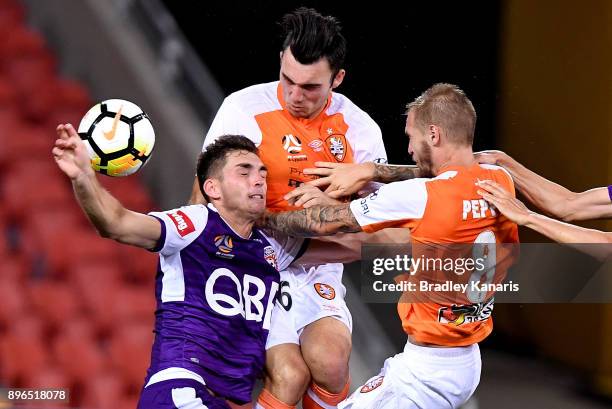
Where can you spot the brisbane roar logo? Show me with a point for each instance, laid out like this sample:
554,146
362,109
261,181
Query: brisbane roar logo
336,144
225,245
371,385
325,291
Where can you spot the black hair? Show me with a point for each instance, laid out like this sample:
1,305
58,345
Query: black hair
312,36
212,160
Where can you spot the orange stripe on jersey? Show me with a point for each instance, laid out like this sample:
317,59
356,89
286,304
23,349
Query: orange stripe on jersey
289,145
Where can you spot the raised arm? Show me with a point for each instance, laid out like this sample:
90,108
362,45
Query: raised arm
342,180
346,248
556,230
314,221
108,216
549,196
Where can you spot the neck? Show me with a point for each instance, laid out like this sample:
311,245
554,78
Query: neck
243,226
457,156
318,111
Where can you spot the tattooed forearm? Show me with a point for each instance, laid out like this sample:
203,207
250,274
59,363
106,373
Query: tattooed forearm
314,221
394,173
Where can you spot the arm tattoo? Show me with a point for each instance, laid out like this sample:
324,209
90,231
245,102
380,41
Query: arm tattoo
314,221
394,173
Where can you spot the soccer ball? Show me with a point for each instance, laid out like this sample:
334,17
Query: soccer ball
119,137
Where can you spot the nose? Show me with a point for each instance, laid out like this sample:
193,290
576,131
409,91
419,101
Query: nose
259,180
296,93
410,149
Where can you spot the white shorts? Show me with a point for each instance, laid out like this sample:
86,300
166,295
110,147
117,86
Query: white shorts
421,378
305,296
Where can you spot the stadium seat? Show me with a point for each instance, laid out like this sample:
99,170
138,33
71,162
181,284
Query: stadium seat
39,187
77,339
8,94
14,302
96,283
75,245
135,304
22,350
140,265
55,302
130,352
11,16
103,391
129,192
50,377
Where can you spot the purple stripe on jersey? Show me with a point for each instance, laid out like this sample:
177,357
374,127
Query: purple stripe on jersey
610,192
162,236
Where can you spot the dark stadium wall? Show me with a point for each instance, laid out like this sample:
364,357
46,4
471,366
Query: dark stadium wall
554,116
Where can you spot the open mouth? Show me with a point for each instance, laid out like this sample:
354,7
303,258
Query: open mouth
256,196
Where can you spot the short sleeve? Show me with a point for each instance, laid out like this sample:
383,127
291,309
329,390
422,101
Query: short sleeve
231,120
180,227
365,138
393,205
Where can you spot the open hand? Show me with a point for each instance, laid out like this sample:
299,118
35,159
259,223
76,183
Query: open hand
70,153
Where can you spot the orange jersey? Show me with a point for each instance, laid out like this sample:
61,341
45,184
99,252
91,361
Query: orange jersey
287,145
444,209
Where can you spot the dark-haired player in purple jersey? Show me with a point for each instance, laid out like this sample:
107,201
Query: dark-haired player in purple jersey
217,276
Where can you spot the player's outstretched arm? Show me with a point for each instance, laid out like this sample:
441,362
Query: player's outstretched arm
314,221
343,180
556,230
551,197
108,216
346,248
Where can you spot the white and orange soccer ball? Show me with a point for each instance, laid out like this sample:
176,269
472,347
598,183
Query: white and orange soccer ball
119,137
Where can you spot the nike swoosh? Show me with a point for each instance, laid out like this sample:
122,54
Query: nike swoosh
110,135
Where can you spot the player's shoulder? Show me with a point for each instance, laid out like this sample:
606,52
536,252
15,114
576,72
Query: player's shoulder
499,172
187,218
256,99
353,115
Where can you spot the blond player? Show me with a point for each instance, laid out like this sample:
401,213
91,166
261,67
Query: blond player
440,365
295,122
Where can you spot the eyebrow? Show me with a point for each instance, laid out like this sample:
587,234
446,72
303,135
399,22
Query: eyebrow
250,166
286,77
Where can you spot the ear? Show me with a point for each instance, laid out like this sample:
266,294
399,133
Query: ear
212,189
434,134
338,78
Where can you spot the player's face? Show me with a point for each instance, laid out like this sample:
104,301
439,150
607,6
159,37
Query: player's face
243,185
306,87
418,147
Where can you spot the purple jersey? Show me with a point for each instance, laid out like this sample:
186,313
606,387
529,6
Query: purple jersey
610,192
215,291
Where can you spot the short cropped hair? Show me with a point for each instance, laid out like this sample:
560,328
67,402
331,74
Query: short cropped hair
311,36
213,159
446,106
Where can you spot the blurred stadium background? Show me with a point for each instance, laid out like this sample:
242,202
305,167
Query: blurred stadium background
77,311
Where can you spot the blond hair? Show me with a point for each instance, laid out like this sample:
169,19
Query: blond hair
446,106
